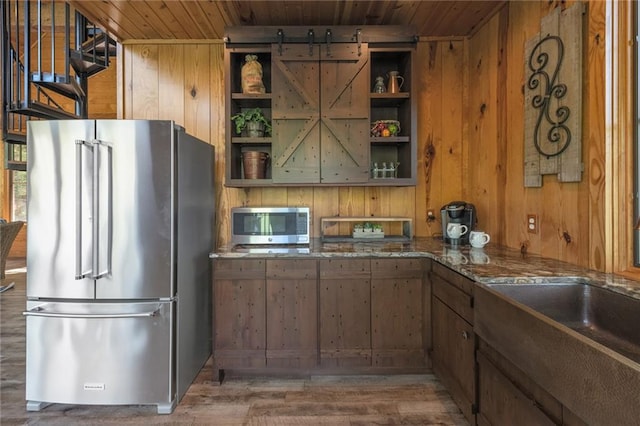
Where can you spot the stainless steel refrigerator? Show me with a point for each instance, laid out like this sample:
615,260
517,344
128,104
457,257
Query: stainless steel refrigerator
120,220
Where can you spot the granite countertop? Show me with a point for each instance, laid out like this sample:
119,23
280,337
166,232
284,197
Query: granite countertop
492,264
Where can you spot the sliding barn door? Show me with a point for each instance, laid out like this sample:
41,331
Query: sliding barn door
320,113
344,113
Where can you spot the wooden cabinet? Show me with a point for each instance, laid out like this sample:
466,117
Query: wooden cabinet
239,327
453,350
319,98
400,313
507,396
345,313
292,314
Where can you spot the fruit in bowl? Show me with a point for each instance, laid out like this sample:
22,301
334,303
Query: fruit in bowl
385,128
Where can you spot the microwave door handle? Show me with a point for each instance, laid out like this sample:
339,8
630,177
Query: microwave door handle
79,178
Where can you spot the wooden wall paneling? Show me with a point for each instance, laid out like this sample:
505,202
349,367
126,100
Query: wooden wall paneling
224,199
196,90
523,24
483,174
451,116
502,139
376,202
402,203
300,197
172,65
144,82
595,172
326,203
622,139
102,99
430,167
351,203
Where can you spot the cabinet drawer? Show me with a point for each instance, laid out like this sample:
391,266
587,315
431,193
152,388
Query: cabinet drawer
461,303
238,269
397,268
292,269
345,269
461,282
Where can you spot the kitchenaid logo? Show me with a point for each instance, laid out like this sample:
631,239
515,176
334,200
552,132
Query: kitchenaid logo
94,386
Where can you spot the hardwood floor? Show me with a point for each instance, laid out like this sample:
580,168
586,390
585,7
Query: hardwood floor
315,400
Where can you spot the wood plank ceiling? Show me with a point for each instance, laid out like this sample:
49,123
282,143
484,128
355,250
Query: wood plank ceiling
192,19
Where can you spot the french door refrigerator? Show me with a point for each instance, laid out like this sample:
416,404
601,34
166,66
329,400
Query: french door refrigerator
120,220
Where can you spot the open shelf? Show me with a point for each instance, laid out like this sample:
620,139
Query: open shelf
403,227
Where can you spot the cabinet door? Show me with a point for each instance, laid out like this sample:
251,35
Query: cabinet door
501,402
345,312
453,355
292,313
239,338
295,114
399,300
320,113
344,113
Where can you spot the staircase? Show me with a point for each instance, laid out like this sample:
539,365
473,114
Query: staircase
47,59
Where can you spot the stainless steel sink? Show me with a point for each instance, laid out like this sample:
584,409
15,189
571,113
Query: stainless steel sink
607,317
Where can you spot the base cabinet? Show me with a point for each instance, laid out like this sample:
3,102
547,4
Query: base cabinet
345,313
400,313
324,315
291,313
453,349
502,401
239,326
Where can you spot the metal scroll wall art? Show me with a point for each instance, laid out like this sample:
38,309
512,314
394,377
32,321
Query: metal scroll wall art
553,98
558,134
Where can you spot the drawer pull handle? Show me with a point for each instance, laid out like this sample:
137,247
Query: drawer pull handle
465,335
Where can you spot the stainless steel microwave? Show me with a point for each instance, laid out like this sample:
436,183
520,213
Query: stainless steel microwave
270,225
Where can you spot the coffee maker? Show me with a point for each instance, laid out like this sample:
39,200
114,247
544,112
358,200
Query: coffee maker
458,212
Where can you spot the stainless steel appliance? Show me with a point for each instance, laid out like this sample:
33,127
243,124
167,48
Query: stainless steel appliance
270,225
458,212
121,222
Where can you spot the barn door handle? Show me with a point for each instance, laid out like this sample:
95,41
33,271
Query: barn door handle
328,39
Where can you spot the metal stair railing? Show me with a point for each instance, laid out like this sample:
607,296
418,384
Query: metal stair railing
29,91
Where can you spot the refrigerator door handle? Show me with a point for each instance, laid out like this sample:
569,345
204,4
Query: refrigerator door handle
39,312
78,273
96,211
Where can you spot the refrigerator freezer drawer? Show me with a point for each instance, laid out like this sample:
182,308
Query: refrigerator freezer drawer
100,353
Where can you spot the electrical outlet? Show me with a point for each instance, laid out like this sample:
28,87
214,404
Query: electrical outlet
431,216
532,223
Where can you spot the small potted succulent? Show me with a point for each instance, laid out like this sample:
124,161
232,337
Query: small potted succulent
252,121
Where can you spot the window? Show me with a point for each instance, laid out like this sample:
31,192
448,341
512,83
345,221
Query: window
18,185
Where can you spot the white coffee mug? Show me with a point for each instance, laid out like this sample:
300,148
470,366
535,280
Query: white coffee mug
478,239
456,230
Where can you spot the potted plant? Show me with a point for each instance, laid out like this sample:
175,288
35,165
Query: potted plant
253,120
